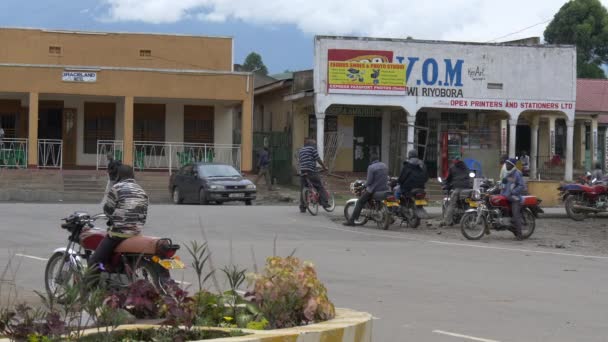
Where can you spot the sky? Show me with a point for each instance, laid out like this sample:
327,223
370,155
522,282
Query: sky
282,31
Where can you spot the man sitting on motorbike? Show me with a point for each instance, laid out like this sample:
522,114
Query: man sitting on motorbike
597,173
309,157
126,208
458,180
377,181
413,175
514,188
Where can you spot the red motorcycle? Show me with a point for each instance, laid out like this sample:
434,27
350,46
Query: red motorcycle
494,212
139,257
583,199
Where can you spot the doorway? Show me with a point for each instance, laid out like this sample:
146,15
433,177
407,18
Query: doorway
50,127
523,137
367,139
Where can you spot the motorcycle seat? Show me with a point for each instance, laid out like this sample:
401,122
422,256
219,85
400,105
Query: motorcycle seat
138,245
415,192
381,196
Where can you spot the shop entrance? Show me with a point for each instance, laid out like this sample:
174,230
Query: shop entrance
367,139
50,131
523,136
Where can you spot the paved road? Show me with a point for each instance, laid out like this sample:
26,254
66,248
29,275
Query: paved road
420,287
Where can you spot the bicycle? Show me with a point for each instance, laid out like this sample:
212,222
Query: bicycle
312,197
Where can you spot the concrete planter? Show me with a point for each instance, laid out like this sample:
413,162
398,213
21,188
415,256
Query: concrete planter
348,326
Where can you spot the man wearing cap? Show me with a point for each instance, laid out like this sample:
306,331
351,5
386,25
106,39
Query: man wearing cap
514,188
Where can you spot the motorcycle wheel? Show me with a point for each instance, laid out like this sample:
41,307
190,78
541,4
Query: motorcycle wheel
529,223
331,201
153,273
348,211
415,222
573,213
61,275
384,219
469,227
312,206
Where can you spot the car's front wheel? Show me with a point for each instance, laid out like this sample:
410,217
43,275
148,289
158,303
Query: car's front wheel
248,202
177,197
202,197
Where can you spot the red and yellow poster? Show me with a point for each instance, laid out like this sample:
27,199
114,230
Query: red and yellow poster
364,72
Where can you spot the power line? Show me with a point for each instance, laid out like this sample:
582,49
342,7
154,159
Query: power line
522,30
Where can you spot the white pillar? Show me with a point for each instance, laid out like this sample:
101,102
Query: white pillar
569,149
321,134
503,137
594,142
552,136
512,137
534,147
411,121
582,130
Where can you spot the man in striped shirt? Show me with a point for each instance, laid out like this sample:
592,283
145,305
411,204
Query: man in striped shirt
309,157
126,209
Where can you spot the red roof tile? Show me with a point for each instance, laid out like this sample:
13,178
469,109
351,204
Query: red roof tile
592,95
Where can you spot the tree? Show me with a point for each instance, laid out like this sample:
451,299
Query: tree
253,61
583,23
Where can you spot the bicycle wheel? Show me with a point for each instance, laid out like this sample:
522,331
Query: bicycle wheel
311,203
331,201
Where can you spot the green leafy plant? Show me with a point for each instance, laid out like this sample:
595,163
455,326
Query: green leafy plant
200,254
258,325
288,293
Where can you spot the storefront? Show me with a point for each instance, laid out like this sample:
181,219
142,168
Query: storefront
155,101
446,99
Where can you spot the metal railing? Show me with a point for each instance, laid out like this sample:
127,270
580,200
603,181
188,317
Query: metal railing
150,155
550,167
50,153
105,147
13,153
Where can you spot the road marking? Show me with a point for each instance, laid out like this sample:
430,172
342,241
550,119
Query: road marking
518,250
472,338
183,282
32,257
391,236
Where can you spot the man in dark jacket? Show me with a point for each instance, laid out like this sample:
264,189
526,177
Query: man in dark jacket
458,180
377,181
413,175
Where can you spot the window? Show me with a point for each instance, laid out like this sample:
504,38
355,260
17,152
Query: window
99,124
7,123
149,125
186,170
55,50
145,53
198,124
331,124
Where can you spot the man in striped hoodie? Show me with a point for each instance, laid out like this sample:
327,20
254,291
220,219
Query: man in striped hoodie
127,209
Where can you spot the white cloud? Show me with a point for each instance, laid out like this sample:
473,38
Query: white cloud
475,20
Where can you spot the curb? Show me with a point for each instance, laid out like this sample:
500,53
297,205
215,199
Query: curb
347,326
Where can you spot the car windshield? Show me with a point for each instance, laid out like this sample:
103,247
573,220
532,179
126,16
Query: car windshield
218,171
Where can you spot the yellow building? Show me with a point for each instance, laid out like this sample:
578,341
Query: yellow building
154,101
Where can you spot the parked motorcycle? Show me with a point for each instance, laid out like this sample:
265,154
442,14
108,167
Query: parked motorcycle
375,209
464,202
139,257
494,212
407,207
583,199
